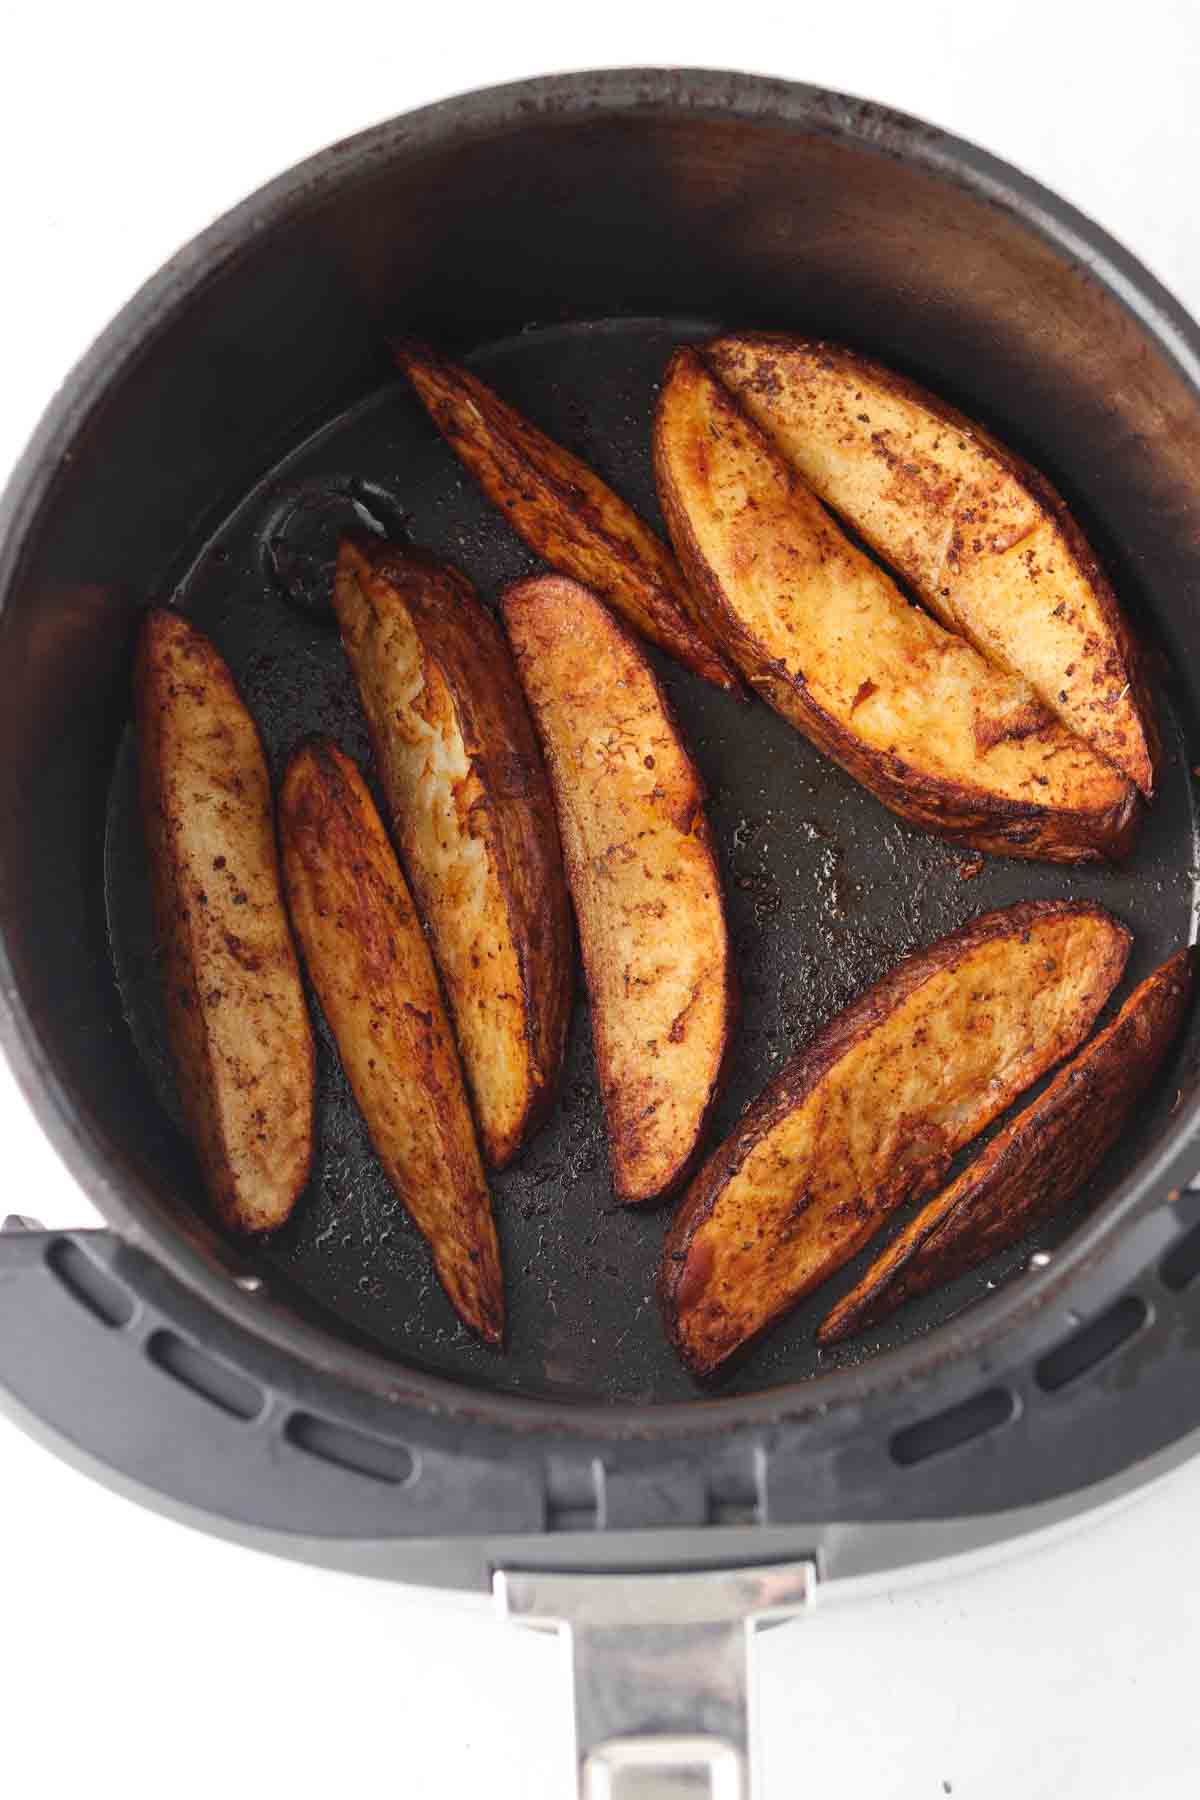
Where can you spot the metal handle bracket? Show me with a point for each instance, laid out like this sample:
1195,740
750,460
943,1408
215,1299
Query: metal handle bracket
664,1693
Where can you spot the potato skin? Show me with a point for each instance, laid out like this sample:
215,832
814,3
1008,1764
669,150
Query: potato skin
236,1019
911,711
1032,1168
563,510
988,544
370,965
643,875
473,820
870,1113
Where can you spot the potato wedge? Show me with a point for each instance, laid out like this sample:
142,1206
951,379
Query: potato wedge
369,962
985,541
563,510
910,710
642,873
1035,1165
473,820
872,1110
236,1018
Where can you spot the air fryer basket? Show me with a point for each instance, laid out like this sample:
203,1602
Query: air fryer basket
562,235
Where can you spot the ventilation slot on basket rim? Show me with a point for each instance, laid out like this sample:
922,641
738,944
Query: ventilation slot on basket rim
952,1429
1091,1344
347,1448
93,1287
212,1380
1181,1265
575,1494
735,1495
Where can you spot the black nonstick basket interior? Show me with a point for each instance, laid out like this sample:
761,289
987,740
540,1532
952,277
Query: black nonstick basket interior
826,891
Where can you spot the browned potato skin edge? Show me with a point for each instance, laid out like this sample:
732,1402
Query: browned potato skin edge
165,897
1035,483
683,636
347,800
1099,1086
962,814
478,668
796,1081
677,1177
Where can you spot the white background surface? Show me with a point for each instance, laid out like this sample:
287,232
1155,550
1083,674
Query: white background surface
134,1652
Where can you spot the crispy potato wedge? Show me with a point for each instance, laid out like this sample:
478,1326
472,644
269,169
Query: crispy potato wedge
370,965
236,1019
909,709
1033,1166
985,541
563,510
473,820
872,1110
642,873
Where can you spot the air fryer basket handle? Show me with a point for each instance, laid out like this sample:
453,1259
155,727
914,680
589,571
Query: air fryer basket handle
663,1677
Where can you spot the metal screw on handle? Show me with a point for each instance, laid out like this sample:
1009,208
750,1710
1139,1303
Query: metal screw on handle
664,1696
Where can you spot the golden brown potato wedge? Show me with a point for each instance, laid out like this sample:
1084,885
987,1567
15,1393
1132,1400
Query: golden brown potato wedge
985,541
870,1113
473,820
1035,1165
236,1018
563,510
369,962
642,873
909,709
